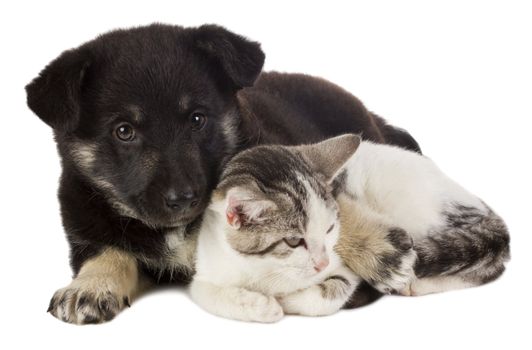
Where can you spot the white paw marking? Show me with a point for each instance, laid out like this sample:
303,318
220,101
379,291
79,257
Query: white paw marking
308,302
260,308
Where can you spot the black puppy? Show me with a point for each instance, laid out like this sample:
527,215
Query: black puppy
145,119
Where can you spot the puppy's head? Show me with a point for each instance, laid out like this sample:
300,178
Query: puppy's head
148,115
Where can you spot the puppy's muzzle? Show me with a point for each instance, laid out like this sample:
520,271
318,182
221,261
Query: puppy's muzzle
181,201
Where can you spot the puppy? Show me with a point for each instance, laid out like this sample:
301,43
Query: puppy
144,120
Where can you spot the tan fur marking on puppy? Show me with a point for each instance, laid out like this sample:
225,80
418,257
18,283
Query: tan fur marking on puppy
150,160
84,154
181,251
136,113
184,103
112,263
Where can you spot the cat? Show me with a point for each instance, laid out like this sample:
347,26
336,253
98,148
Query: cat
299,230
459,241
266,243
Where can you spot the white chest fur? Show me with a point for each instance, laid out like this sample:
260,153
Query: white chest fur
180,249
177,254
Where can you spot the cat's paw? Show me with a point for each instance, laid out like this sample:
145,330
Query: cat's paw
260,308
397,270
88,300
309,302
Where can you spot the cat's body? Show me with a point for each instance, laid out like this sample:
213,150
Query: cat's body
266,245
407,187
459,240
297,230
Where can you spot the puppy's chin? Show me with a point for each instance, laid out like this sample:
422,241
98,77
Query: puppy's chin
178,222
172,221
164,223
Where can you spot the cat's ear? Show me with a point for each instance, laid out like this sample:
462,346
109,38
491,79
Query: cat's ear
329,156
245,207
239,59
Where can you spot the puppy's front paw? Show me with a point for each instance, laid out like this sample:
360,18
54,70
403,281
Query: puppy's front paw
88,300
397,268
261,308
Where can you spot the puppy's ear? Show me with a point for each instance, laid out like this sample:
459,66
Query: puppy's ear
54,95
329,156
240,59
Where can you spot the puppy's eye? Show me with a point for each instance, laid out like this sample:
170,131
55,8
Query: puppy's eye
197,121
330,228
125,132
294,242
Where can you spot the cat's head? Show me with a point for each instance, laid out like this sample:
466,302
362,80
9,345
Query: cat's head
278,203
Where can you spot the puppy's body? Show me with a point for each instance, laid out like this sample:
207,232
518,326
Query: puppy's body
145,120
292,109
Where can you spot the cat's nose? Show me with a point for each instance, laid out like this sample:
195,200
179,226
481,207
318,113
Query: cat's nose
321,264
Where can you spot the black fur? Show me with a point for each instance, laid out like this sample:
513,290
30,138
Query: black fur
156,79
397,136
364,295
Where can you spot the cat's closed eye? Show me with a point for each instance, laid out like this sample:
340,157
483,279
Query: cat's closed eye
330,228
295,242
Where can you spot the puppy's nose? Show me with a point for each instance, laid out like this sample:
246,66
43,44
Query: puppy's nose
183,199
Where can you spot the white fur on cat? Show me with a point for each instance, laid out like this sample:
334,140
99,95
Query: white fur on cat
411,192
406,187
258,288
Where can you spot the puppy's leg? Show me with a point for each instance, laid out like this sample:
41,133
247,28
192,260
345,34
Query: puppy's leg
235,303
323,299
374,249
104,285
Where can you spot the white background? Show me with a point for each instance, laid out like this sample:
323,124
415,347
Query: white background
458,76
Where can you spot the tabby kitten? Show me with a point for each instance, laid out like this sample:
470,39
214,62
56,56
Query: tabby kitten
266,245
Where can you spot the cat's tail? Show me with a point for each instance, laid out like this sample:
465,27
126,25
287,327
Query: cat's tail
470,250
